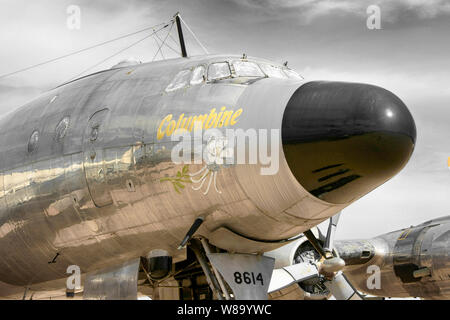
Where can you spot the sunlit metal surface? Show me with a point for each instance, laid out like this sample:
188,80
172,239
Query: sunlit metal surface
115,283
97,197
399,255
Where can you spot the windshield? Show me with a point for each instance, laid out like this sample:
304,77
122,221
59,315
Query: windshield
247,69
219,70
273,72
181,80
292,74
198,75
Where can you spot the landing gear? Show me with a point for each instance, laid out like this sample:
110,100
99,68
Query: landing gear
228,276
196,278
201,249
159,264
234,276
207,273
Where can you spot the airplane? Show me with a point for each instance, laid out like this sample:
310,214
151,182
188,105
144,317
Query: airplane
89,188
411,262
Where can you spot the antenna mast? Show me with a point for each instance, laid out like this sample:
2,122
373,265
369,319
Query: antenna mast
180,35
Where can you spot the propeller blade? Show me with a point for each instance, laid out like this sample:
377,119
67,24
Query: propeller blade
339,286
284,277
332,226
332,265
342,289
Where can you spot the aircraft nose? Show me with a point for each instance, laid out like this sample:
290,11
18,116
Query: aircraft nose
342,140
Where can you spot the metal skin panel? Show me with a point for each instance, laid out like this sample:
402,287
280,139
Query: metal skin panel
398,254
54,213
95,165
5,226
116,283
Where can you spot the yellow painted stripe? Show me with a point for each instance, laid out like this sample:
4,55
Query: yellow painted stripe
404,234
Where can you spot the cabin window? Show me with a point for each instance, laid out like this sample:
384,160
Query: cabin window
219,70
33,142
198,75
292,74
181,80
247,69
273,72
61,128
93,136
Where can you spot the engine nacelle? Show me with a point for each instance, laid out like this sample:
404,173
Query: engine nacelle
297,252
412,262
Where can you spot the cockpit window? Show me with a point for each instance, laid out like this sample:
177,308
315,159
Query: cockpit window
219,70
247,69
198,75
292,74
181,80
273,72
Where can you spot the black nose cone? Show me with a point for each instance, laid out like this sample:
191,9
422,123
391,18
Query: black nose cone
342,140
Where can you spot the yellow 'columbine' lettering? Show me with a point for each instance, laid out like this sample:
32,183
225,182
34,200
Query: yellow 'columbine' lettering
160,133
235,116
206,121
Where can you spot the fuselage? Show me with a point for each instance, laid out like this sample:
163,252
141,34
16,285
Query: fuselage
411,262
87,178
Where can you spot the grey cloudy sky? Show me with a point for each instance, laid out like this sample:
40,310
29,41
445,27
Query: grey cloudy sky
322,39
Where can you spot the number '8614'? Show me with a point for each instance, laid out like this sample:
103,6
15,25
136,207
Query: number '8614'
248,278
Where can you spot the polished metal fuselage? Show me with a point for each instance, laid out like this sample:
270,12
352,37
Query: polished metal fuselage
97,196
398,255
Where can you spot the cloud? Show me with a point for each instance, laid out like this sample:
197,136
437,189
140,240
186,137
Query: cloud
408,57
408,199
309,10
12,97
